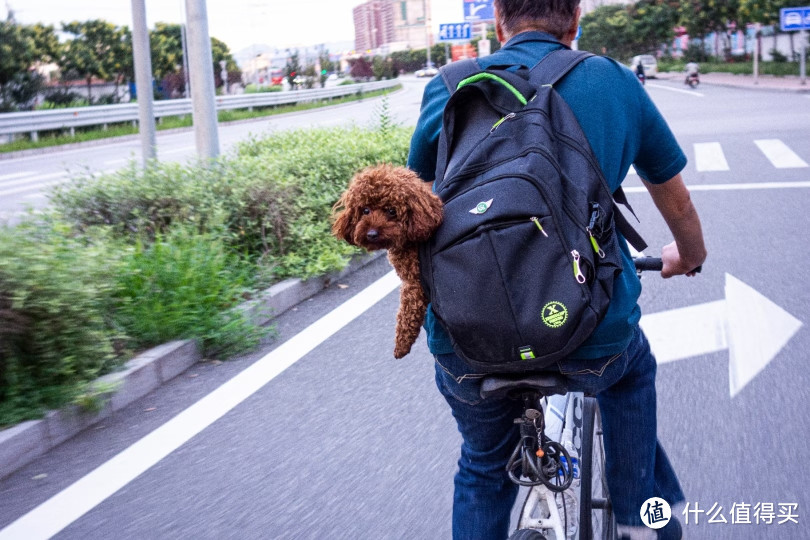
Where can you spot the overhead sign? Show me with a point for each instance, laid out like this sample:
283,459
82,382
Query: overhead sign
478,10
455,31
797,18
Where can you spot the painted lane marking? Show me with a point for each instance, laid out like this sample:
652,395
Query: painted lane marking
689,92
732,187
53,515
32,180
710,157
779,154
5,177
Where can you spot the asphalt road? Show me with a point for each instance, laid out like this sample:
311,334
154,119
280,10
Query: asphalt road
25,181
349,443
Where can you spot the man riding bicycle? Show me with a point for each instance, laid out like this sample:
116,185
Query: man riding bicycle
615,364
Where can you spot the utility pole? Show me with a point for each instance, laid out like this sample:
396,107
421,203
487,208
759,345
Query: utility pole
201,73
428,31
143,82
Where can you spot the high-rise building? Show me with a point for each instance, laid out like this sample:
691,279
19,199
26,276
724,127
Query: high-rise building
373,24
409,22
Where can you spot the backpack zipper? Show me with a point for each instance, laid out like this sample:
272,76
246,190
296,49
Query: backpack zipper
580,277
536,221
501,121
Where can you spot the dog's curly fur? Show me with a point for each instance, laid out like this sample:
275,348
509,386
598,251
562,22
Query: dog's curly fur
388,207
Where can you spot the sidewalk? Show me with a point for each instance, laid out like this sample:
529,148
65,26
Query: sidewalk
764,82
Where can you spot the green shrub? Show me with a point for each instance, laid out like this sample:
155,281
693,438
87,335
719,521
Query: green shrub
184,285
56,333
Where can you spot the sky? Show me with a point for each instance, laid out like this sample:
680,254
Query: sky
239,23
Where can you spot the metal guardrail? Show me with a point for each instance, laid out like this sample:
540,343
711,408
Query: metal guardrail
100,115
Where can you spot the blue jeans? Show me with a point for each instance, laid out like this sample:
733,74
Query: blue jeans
637,467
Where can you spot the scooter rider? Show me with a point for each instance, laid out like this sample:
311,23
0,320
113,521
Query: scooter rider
692,71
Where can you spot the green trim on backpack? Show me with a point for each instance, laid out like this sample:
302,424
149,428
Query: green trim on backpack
481,76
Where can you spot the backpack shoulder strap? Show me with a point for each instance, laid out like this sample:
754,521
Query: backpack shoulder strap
556,65
455,72
549,71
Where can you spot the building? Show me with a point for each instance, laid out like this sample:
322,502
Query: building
373,25
590,5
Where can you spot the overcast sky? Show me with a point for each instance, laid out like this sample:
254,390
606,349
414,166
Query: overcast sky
239,23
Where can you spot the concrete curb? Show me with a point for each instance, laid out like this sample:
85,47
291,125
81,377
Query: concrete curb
21,444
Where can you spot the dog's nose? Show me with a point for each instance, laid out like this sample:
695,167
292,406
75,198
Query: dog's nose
372,235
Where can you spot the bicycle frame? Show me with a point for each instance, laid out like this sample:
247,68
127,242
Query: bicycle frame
563,417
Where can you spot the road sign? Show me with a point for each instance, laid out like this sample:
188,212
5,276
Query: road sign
478,10
455,31
797,18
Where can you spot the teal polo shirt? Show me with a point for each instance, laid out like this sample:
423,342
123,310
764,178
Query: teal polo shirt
623,127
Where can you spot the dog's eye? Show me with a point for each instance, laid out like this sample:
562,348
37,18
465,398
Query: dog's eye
391,212
366,211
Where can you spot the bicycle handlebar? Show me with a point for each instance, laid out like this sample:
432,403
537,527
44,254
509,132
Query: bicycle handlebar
648,264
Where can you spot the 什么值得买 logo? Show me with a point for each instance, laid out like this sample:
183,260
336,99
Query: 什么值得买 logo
554,314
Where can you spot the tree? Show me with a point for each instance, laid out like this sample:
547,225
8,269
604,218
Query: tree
765,12
652,23
219,52
361,69
701,17
166,47
292,69
607,31
21,47
98,49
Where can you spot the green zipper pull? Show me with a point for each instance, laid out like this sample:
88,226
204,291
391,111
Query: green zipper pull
499,122
537,222
577,272
596,247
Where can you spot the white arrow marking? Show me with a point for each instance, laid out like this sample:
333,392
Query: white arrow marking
749,325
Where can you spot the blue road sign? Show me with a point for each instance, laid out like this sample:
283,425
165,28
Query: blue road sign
455,31
797,18
478,10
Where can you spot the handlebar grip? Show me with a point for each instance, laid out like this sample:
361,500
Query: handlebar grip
648,264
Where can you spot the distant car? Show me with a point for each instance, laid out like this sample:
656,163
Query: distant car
429,71
649,62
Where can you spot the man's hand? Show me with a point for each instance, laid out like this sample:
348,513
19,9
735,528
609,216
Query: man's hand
673,264
688,251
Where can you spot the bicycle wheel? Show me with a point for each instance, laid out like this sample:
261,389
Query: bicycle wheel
596,519
527,534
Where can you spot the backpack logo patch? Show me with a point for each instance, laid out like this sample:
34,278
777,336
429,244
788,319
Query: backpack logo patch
481,207
554,314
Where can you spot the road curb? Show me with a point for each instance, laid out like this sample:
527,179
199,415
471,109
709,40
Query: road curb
23,443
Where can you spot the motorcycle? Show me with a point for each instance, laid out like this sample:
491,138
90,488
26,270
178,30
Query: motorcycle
693,79
641,77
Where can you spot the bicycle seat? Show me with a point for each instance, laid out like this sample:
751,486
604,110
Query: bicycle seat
545,384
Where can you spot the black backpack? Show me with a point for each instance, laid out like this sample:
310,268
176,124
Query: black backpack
521,270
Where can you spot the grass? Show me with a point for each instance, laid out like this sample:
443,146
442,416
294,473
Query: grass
173,122
778,69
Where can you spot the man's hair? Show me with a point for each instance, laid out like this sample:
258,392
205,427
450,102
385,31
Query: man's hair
552,16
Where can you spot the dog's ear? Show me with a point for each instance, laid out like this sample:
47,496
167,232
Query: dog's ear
425,210
344,219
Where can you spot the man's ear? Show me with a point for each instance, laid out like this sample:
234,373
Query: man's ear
572,30
499,33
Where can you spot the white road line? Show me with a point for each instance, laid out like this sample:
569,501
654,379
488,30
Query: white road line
33,181
23,189
116,161
16,175
780,154
710,157
733,187
632,170
690,92
70,504
176,150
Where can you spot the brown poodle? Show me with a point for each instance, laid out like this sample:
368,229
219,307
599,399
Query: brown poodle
387,207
